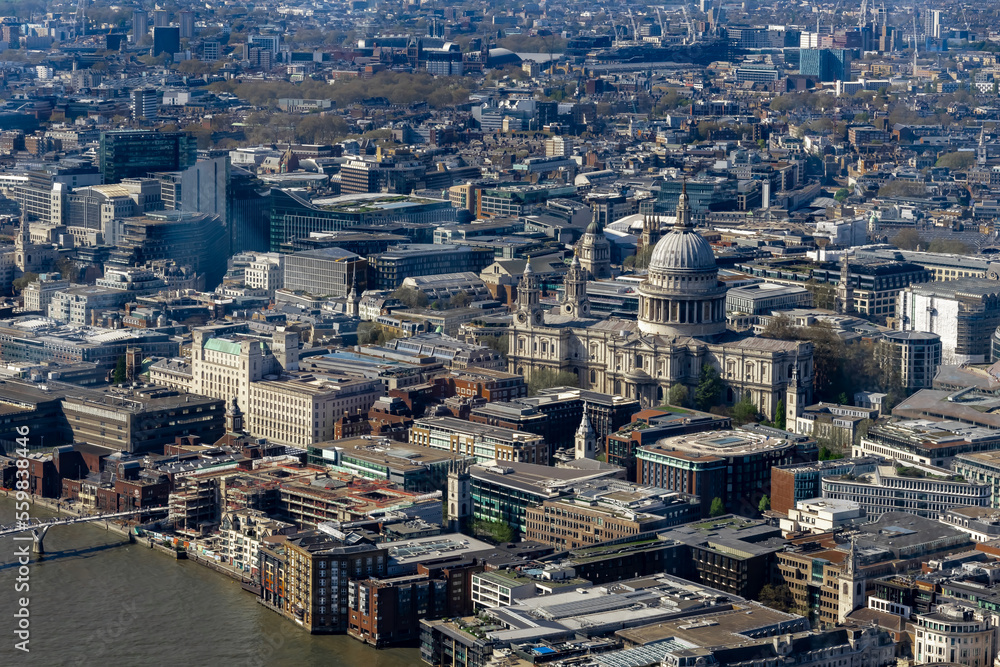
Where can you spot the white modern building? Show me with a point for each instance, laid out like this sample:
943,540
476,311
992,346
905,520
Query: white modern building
923,490
821,515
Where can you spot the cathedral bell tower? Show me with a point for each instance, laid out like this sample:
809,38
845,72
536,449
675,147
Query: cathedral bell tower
529,311
575,302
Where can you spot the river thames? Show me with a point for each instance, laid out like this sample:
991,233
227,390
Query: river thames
96,600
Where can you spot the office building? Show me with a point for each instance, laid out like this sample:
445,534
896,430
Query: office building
31,340
923,490
166,39
135,154
481,442
145,102
292,217
195,240
199,188
822,515
305,576
296,409
387,270
604,510
792,484
733,466
249,208
931,441
914,356
827,65
266,273
955,634
140,27
504,492
765,298
329,272
91,213
932,27
37,295
982,468
964,313
210,51
139,421
186,20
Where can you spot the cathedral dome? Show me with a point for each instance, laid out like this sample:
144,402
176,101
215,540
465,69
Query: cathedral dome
682,250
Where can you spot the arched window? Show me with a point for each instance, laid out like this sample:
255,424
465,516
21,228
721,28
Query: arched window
593,376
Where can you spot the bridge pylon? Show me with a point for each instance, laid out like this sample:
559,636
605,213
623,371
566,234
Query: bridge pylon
39,536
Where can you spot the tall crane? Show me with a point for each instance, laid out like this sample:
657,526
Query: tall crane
687,22
635,29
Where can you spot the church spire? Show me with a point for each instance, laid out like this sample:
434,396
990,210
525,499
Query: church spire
683,222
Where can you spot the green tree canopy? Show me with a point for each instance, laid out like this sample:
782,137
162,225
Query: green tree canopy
776,597
957,160
546,378
779,414
709,388
20,283
718,508
678,395
909,239
411,298
764,504
744,411
120,373
842,194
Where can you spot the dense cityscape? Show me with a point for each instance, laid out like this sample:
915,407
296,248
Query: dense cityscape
489,334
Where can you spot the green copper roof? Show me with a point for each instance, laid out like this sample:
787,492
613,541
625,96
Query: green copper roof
222,345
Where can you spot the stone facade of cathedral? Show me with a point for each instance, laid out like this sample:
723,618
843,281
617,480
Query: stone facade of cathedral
681,327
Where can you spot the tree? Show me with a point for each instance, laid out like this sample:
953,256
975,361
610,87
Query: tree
744,411
411,298
499,344
956,160
764,504
718,508
842,194
709,388
460,300
950,246
678,395
776,597
120,373
545,378
908,239
20,283
497,531
779,415
367,333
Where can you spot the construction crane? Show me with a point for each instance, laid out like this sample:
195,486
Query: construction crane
614,28
659,19
635,29
687,22
81,16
